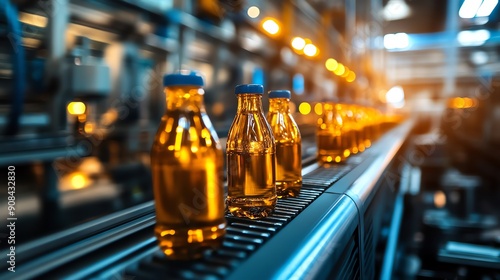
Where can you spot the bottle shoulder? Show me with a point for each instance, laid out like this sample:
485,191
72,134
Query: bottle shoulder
284,127
190,133
250,132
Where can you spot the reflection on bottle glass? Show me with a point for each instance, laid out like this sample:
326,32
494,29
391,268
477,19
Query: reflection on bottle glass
288,144
251,158
187,163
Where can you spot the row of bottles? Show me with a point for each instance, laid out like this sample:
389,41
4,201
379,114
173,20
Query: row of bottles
263,164
263,156
344,130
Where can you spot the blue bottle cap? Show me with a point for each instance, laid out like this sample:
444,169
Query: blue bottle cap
249,88
281,93
183,78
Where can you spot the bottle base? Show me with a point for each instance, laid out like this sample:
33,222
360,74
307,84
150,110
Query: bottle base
251,208
188,243
368,144
286,189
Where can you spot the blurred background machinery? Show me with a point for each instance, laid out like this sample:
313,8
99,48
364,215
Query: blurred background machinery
81,98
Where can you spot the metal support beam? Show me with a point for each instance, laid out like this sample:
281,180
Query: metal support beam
58,14
452,51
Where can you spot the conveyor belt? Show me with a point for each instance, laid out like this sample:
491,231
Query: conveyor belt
326,226
243,236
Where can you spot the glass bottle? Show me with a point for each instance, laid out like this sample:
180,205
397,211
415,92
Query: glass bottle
367,130
372,115
187,168
288,144
329,135
251,158
360,128
349,121
376,123
347,133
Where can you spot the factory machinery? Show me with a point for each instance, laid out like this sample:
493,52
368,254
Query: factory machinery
81,98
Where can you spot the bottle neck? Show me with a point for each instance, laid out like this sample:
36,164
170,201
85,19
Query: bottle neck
184,98
249,102
280,105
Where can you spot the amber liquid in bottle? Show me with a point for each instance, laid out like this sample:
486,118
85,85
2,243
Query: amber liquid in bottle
288,148
329,136
346,131
376,124
359,129
187,163
251,161
349,135
347,139
368,132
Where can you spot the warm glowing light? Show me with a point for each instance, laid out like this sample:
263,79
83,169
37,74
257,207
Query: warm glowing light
76,108
88,128
78,180
458,103
195,235
168,232
439,199
298,43
347,153
32,19
253,12
310,50
109,117
271,26
351,77
361,148
305,108
31,42
318,109
331,64
462,103
346,72
368,143
168,252
338,159
340,70
178,138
